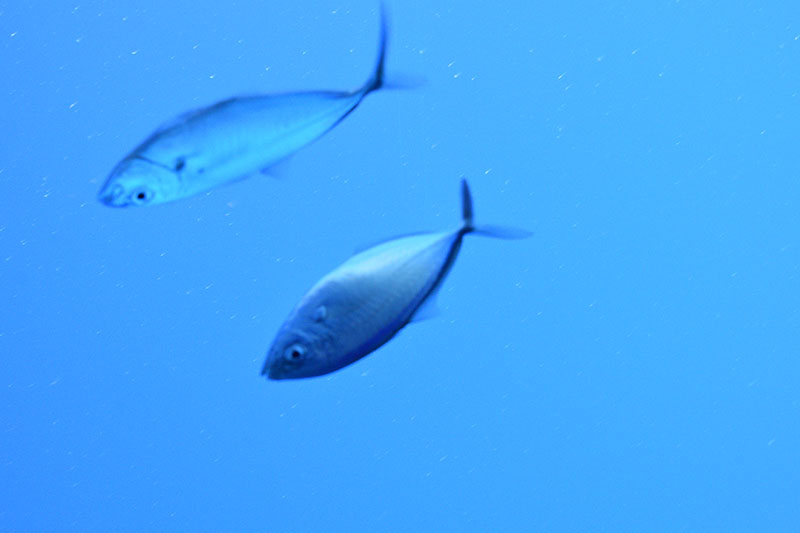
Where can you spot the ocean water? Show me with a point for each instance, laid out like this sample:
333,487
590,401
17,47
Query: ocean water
633,366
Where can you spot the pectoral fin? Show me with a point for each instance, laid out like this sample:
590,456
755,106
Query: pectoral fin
278,170
428,309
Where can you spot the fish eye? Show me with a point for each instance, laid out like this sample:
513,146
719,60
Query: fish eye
141,196
294,353
179,164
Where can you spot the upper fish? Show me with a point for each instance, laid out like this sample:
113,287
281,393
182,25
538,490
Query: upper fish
230,140
363,303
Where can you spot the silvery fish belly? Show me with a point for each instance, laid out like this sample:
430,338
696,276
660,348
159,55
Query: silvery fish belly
363,303
229,141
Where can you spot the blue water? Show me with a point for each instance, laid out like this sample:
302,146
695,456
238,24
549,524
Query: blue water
633,366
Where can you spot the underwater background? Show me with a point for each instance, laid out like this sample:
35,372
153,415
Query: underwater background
633,366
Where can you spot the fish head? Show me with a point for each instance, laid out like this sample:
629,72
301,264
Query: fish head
138,181
302,347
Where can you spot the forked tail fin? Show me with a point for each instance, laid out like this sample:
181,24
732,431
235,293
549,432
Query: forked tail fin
466,206
375,82
467,216
378,78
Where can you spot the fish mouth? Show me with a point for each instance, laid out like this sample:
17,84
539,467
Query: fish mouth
279,371
112,196
270,369
274,372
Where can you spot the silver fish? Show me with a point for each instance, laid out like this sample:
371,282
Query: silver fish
229,141
362,304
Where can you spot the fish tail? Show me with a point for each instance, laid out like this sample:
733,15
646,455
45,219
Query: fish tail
376,81
468,215
466,208
378,78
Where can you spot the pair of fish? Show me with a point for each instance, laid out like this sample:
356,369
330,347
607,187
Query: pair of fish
363,303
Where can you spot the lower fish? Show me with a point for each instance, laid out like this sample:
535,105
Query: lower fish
229,141
366,301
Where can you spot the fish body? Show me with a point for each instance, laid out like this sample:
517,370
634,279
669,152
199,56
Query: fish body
362,304
228,141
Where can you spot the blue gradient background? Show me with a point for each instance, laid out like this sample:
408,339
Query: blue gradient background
633,366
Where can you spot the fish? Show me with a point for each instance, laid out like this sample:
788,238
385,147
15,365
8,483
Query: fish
231,140
365,302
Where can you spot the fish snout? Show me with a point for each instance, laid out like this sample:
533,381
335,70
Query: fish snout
112,195
275,372
272,367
